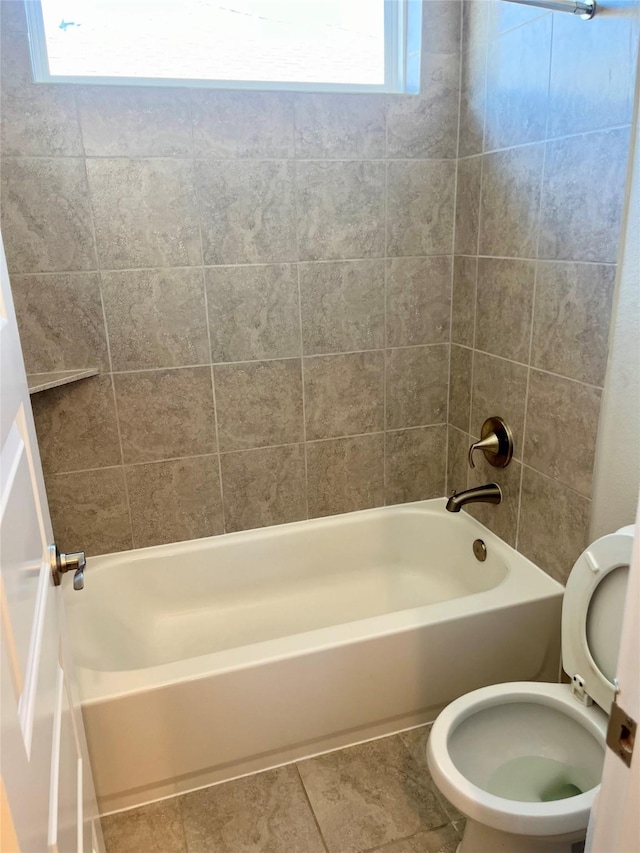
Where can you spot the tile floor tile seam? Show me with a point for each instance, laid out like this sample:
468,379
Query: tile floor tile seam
439,797
389,844
311,809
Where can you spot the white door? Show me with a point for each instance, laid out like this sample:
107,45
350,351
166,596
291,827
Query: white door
615,820
47,800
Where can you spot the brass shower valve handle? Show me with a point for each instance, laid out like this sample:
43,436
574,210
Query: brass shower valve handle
496,442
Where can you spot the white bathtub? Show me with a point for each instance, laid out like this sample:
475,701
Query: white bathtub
205,660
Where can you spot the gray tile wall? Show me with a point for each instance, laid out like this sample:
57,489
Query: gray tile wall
264,281
545,117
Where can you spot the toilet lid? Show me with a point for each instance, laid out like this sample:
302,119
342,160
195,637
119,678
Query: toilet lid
592,613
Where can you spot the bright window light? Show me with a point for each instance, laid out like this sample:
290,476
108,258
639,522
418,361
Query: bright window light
319,45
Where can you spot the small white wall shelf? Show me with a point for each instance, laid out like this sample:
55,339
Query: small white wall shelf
43,381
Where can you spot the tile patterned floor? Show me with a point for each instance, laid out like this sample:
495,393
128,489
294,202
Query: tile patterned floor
374,797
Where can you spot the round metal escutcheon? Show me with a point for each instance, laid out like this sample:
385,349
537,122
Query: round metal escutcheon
480,550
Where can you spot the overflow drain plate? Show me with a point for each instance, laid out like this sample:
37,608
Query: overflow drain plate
480,550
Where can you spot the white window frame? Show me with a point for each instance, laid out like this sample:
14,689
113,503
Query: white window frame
401,71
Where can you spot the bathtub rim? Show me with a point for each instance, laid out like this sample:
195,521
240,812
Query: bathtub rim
523,582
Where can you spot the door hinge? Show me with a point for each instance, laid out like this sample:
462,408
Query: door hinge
621,733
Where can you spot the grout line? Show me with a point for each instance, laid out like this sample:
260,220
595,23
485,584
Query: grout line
533,310
239,160
104,320
256,449
206,314
385,356
302,353
306,796
277,358
167,269
453,262
555,481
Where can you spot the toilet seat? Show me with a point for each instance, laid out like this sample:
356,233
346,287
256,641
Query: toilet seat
592,617
591,624
554,818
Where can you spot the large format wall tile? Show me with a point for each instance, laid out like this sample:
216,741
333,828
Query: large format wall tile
254,312
420,207
441,24
510,202
426,125
342,306
415,462
246,211
504,307
242,124
155,318
418,300
77,426
264,486
259,403
89,511
46,218
165,414
608,47
38,120
340,126
345,474
518,85
572,318
577,223
561,429
61,321
340,209
554,524
344,394
499,388
144,213
122,121
417,386
173,501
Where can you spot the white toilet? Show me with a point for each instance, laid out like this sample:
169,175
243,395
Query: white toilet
523,761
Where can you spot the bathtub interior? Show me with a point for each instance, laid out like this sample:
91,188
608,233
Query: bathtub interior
157,605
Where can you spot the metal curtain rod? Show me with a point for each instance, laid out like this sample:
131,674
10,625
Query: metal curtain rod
585,8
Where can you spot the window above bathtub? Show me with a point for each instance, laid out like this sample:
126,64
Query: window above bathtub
299,45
